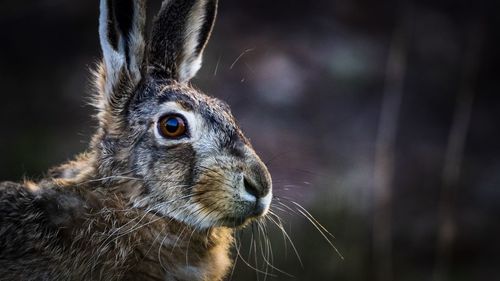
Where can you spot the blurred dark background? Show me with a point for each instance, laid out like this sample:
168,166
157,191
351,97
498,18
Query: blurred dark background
379,117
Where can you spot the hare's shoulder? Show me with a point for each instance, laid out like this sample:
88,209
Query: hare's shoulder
28,212
16,203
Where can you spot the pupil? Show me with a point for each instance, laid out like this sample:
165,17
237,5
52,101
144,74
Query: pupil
172,125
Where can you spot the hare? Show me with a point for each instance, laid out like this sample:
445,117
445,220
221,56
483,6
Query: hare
166,179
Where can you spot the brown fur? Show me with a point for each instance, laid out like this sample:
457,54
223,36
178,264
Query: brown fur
139,205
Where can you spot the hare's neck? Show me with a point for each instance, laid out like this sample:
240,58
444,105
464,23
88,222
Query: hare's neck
139,244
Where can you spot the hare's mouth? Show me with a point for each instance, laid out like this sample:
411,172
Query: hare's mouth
240,221
236,222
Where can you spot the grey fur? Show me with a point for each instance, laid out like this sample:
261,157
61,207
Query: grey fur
138,205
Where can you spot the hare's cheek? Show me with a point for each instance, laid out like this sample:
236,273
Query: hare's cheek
214,191
209,186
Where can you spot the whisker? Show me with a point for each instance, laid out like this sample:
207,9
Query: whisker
238,252
313,218
280,226
271,213
239,57
269,252
237,246
255,251
321,229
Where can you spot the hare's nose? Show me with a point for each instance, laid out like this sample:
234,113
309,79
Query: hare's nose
262,194
256,180
254,189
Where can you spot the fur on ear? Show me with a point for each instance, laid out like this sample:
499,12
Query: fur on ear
180,34
121,34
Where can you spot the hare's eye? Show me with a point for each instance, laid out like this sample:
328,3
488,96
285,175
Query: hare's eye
172,126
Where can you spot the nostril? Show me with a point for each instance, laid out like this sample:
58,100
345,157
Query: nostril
251,188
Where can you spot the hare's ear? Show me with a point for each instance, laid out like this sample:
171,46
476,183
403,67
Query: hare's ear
180,33
121,33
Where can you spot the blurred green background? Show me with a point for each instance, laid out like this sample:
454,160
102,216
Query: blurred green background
379,117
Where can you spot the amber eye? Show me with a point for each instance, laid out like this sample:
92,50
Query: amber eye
172,126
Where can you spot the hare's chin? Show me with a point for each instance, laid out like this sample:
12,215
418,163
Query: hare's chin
235,222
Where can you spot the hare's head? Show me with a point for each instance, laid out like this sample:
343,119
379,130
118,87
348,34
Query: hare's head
185,149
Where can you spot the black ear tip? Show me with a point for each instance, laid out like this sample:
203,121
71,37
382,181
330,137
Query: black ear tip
180,33
124,14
